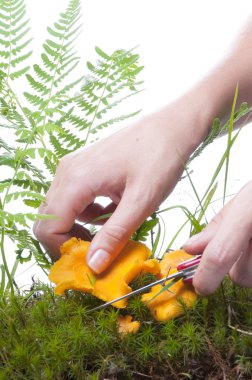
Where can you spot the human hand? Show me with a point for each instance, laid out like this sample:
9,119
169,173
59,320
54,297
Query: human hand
226,245
136,168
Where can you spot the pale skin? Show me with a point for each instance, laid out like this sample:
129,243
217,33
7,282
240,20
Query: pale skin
138,167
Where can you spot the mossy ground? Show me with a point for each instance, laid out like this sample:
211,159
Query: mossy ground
45,337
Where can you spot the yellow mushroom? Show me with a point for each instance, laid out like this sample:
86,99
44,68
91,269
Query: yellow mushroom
113,283
72,272
166,305
125,325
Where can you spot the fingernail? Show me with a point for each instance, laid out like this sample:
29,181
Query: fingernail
99,260
194,238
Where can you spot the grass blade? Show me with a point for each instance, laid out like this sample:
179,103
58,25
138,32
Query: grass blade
2,287
230,130
164,288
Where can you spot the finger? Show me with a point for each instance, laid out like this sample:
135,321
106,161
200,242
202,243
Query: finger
65,203
225,247
241,271
95,211
110,240
197,243
42,208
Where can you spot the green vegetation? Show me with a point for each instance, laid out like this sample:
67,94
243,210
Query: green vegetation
47,337
52,115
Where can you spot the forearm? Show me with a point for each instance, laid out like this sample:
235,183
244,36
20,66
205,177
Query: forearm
215,93
213,96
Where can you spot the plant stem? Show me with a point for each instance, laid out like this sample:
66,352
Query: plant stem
10,283
97,107
26,145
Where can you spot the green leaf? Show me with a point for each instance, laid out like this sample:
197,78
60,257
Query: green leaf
143,231
38,86
54,33
102,54
229,139
42,74
18,73
21,194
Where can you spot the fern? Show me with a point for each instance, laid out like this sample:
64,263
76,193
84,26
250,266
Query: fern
144,230
217,129
55,115
28,247
13,44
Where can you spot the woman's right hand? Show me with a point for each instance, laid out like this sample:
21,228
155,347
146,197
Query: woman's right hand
136,168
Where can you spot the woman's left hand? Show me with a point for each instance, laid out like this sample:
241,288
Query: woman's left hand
226,244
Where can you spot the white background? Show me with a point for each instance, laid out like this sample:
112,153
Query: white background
179,42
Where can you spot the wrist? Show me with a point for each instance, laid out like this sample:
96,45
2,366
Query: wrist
186,121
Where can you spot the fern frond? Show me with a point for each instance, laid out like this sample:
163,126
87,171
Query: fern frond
3,24
9,158
102,54
70,139
49,64
58,61
9,220
114,120
14,29
5,146
109,106
19,15
31,184
42,74
112,81
38,86
58,114
36,100
57,147
11,114
217,129
61,95
26,243
18,73
21,194
66,72
79,122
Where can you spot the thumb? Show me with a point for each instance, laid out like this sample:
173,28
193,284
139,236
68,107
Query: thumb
115,233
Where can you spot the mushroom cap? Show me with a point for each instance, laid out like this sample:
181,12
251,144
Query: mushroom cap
72,272
125,325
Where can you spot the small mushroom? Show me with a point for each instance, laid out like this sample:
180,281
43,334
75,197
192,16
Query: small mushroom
125,325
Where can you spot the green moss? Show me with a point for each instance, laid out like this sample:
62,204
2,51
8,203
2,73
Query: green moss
49,337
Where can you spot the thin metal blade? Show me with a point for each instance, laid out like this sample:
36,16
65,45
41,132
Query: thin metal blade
140,290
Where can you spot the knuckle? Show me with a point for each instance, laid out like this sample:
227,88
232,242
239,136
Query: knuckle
116,233
219,255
